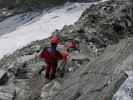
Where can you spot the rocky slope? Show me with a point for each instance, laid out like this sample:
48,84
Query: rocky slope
95,73
106,23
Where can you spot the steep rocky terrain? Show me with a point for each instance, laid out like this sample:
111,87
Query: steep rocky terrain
104,33
106,23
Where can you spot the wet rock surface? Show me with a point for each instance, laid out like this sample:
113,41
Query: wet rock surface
95,72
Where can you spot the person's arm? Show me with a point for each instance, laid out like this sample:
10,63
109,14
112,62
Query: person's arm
65,55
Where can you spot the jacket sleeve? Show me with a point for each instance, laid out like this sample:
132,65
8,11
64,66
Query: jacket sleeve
43,52
45,56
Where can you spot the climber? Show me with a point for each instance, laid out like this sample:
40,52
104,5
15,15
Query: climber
72,45
51,56
57,33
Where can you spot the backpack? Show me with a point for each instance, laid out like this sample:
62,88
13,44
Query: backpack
44,49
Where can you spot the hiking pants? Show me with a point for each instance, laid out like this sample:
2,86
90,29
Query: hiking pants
51,70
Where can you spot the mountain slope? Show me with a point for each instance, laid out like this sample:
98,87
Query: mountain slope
22,29
104,33
102,77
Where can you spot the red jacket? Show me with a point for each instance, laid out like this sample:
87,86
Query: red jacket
50,57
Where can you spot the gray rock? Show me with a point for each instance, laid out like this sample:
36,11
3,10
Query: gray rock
7,3
79,57
50,89
12,68
7,93
37,66
5,96
21,73
3,77
25,58
22,89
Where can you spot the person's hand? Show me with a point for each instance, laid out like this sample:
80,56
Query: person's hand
65,55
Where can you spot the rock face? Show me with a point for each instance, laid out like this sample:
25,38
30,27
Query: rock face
7,3
3,77
104,35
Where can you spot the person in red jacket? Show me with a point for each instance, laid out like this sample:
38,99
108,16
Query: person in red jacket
51,56
72,45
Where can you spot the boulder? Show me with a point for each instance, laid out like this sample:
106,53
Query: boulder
12,68
37,66
23,59
79,57
50,89
5,96
3,77
7,3
7,93
21,73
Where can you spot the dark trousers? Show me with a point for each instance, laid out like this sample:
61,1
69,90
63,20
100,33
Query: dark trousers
51,70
